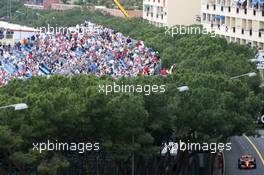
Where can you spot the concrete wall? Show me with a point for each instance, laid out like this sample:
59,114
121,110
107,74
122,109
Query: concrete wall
118,13
175,12
183,12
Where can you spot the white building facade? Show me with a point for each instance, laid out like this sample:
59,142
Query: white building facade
172,12
240,21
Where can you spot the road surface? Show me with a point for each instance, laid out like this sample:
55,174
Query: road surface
244,145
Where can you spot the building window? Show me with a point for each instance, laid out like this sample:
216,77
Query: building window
204,17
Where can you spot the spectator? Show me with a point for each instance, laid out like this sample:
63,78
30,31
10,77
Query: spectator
163,72
2,30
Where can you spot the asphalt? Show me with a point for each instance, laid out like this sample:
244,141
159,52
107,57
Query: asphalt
241,146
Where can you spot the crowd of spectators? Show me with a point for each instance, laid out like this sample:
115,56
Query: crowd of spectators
93,49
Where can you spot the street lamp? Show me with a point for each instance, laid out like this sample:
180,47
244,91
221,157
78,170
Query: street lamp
180,89
20,14
39,14
183,88
250,74
258,57
17,107
17,11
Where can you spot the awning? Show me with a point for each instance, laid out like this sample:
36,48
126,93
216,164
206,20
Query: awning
218,17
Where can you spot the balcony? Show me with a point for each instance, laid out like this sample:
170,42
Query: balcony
236,32
236,12
155,17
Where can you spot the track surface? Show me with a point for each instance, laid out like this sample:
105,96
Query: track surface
241,146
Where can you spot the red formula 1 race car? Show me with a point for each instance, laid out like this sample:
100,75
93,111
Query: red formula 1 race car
247,162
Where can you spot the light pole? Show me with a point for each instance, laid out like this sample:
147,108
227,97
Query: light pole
259,60
10,8
250,74
17,107
170,148
19,14
133,157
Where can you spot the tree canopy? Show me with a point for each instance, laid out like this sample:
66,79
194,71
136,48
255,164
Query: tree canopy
71,109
